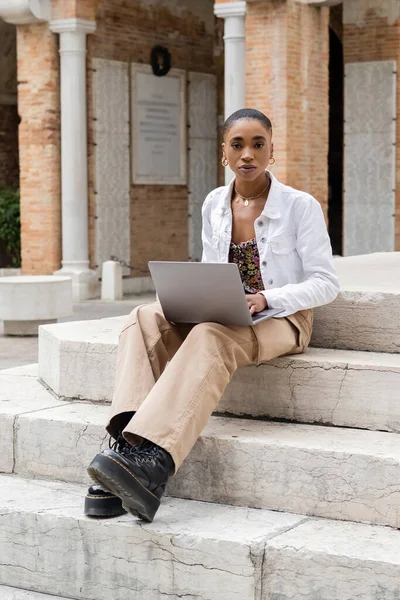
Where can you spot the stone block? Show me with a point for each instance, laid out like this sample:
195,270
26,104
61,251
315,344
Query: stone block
28,301
191,550
19,394
337,387
365,314
359,320
10,593
78,360
60,443
329,472
111,280
328,560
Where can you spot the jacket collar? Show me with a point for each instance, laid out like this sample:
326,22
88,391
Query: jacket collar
272,208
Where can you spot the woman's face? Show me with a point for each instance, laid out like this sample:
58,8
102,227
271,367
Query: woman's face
248,148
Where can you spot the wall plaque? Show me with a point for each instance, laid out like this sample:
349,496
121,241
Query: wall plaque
158,127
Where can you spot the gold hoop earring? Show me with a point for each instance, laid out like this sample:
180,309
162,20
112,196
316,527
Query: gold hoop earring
224,161
272,161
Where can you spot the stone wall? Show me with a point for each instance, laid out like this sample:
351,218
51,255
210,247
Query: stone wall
126,31
372,33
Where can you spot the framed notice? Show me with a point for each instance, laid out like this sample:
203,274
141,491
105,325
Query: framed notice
158,126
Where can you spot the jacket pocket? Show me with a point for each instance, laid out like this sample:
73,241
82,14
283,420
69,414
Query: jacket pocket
283,244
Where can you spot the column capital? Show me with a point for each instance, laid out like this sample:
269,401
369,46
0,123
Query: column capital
230,9
72,26
25,12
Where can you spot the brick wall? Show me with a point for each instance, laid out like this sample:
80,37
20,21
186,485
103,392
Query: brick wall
126,31
73,9
287,53
372,33
39,148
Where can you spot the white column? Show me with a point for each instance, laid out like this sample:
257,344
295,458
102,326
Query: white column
235,58
74,158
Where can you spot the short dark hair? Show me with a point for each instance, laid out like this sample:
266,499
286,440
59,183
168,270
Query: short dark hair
247,113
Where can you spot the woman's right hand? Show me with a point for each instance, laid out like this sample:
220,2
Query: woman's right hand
256,302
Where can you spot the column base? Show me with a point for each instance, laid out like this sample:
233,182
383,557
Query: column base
25,328
85,283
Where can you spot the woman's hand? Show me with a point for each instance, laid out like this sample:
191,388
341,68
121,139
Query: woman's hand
256,302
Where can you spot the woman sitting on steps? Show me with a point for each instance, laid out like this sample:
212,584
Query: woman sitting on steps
278,238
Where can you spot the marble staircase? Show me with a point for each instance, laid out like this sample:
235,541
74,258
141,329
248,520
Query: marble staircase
292,492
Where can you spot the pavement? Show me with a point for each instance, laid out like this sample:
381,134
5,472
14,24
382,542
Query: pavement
18,351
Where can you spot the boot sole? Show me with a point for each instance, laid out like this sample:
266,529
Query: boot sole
103,506
116,479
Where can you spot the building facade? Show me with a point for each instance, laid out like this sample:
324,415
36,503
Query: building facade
115,157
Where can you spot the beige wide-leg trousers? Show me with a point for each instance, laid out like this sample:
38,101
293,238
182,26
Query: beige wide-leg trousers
172,402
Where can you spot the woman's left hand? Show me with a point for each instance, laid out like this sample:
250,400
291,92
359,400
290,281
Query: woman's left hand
256,302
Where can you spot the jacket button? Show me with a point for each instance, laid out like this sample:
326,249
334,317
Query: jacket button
264,263
263,240
270,281
260,223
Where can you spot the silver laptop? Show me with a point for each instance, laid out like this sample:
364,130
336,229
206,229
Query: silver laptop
191,292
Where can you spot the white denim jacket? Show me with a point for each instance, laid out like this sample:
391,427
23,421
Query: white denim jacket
295,251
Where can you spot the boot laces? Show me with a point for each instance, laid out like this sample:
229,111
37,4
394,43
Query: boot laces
118,444
144,452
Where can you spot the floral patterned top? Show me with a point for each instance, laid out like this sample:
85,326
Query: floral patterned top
247,258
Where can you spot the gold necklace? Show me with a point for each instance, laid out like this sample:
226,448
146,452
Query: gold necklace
246,200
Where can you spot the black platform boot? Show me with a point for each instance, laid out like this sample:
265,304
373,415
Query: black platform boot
101,503
136,474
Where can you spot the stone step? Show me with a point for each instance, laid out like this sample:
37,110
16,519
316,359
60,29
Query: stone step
192,550
334,387
364,320
338,387
365,314
321,471
20,393
11,593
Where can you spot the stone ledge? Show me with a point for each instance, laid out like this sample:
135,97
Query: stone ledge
191,549
20,393
71,353
346,388
335,387
10,593
365,314
330,472
359,320
334,561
